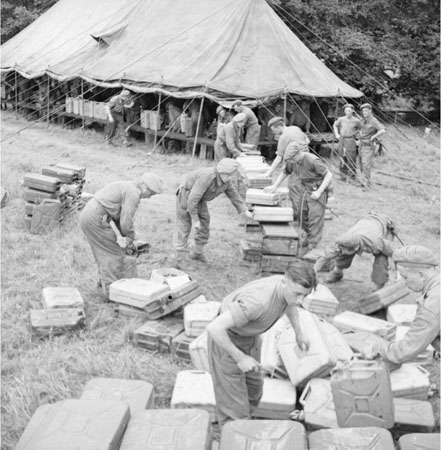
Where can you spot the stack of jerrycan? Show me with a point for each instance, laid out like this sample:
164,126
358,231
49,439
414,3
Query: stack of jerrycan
280,242
44,201
319,410
263,434
326,346
63,311
383,298
154,298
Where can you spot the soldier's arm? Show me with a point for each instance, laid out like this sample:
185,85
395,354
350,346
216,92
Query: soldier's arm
235,198
197,192
128,209
232,142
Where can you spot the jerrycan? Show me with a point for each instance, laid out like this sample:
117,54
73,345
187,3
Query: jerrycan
362,394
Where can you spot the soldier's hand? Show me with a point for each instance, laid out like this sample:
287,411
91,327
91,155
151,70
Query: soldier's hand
111,119
302,342
269,189
370,351
315,195
197,226
267,174
248,364
248,214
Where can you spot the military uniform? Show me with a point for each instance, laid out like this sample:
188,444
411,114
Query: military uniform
251,127
289,135
118,202
348,130
116,106
424,330
200,187
371,234
227,144
307,176
369,127
255,308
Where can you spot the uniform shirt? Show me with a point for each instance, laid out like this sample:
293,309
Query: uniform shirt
251,118
424,329
205,185
309,168
121,200
229,136
369,127
291,134
256,306
116,103
348,127
372,230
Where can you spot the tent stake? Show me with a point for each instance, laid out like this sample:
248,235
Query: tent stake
157,121
197,128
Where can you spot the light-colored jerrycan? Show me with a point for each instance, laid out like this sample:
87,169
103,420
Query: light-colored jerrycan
301,365
362,394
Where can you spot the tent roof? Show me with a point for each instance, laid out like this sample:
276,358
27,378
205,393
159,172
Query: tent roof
236,48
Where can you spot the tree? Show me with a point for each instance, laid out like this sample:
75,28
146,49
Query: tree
358,40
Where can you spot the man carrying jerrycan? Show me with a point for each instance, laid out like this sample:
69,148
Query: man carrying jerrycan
234,336
419,268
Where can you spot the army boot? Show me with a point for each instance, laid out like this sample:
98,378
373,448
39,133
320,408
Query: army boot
198,253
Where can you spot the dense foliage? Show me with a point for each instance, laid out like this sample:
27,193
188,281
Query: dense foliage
359,40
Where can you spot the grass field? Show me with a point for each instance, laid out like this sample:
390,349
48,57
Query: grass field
35,372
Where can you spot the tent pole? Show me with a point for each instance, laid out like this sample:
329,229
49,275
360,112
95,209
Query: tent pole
82,104
197,128
16,97
48,92
284,108
157,121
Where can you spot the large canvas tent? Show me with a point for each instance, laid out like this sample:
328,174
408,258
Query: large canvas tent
185,48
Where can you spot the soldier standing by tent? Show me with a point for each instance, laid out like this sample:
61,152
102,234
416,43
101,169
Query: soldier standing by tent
251,125
200,187
308,181
227,144
115,202
371,233
234,336
285,136
300,116
115,112
419,268
346,130
370,130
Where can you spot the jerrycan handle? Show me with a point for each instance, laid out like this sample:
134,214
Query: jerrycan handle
423,370
305,394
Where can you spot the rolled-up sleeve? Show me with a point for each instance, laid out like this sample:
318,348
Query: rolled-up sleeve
244,309
422,332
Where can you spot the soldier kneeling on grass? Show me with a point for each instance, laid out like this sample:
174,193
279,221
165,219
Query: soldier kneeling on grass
419,268
199,187
372,234
115,202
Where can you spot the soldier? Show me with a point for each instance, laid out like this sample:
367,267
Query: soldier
370,130
227,144
308,181
115,202
115,111
285,136
346,130
419,268
372,234
200,187
234,336
300,115
251,124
